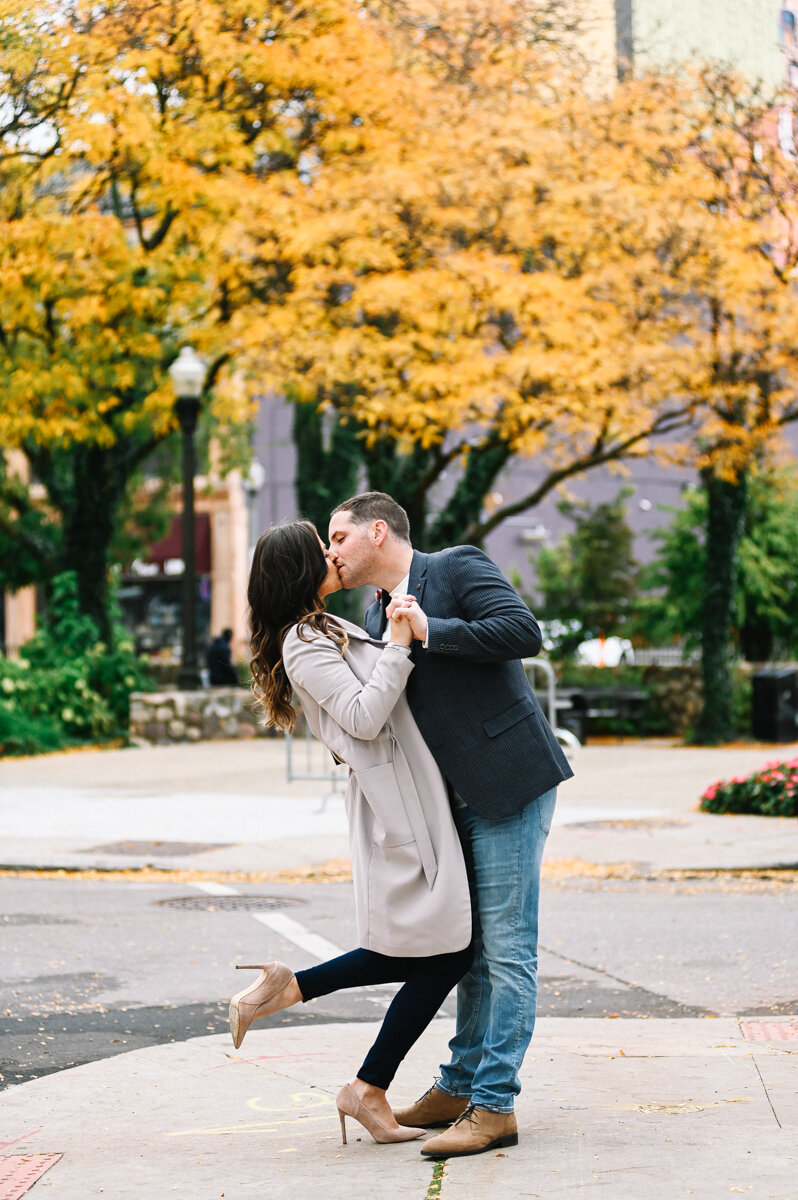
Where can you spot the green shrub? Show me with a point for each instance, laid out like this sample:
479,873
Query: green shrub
62,693
772,792
23,734
67,679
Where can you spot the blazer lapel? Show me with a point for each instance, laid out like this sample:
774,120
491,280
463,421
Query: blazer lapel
418,576
373,619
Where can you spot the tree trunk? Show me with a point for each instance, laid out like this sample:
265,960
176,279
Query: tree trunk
326,475
725,512
98,481
402,474
463,510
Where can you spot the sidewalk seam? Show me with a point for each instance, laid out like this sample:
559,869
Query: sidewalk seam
767,1093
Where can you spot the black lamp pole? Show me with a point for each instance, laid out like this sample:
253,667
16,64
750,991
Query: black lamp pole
188,376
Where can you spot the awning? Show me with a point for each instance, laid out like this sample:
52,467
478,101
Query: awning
166,556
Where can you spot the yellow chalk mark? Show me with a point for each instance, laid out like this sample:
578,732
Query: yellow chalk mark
298,1100
261,1127
685,1107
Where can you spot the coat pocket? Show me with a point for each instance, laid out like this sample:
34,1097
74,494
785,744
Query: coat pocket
381,790
525,707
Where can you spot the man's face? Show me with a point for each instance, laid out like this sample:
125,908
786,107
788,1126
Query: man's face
354,550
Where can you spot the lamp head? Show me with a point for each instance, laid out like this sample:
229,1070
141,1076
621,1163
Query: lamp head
187,373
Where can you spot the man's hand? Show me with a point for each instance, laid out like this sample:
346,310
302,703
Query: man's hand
407,607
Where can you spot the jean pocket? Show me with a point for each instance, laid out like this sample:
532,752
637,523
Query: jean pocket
545,805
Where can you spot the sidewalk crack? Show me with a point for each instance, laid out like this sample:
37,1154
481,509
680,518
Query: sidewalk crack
767,1093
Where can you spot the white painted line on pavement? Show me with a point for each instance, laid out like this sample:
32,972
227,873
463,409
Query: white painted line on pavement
299,935
214,889
316,945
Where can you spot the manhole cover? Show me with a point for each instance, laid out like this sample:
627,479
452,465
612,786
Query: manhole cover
230,903
166,849
770,1031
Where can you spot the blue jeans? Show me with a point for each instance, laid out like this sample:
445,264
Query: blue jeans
496,999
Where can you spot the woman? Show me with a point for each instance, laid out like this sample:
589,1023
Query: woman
411,890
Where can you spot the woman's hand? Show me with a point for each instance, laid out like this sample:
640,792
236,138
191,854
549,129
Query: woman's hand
407,610
401,632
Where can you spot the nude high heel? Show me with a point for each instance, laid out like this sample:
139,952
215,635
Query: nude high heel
257,1000
350,1105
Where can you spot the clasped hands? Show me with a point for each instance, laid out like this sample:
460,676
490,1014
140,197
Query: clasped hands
406,609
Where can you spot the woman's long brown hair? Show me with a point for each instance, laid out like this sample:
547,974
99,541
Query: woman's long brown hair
288,568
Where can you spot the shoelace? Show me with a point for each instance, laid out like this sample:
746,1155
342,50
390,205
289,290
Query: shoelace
469,1115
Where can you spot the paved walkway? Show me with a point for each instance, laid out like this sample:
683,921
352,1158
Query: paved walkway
228,806
616,1109
610,1108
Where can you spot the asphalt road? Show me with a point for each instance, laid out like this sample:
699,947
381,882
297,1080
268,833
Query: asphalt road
94,968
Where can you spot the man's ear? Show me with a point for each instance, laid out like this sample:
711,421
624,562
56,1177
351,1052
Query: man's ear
380,532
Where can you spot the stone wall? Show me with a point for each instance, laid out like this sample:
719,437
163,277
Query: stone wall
161,718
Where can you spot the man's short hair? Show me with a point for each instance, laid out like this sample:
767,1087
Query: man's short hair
377,506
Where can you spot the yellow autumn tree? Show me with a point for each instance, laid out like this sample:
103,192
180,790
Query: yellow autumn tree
144,154
499,281
741,358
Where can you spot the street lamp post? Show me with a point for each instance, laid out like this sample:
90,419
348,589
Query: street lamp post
188,377
253,482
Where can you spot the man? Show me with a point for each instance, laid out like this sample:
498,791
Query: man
472,702
219,661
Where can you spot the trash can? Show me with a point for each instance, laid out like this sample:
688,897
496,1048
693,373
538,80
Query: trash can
774,711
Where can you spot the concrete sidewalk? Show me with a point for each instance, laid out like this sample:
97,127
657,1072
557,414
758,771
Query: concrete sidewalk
228,806
610,1108
625,1108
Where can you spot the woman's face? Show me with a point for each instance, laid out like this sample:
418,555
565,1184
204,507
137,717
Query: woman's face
332,583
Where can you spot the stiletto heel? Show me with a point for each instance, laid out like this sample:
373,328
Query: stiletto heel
350,1105
257,1000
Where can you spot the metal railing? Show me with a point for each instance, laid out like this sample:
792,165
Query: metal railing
568,740
306,758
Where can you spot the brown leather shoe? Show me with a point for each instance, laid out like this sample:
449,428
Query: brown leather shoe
433,1110
477,1130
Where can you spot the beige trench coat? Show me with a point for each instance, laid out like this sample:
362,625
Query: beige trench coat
411,889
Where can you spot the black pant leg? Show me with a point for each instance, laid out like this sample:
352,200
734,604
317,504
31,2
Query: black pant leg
357,968
427,983
411,1011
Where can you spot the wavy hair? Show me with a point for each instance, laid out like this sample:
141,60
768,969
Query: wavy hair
288,569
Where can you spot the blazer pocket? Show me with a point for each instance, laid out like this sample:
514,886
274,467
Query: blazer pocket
379,786
511,716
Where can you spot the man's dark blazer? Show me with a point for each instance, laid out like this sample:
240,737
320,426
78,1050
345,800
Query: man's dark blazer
469,693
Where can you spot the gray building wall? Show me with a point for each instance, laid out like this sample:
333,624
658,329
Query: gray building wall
515,543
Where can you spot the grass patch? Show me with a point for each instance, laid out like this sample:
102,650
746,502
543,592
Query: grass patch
438,1172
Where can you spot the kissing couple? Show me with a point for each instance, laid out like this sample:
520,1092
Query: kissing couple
453,771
